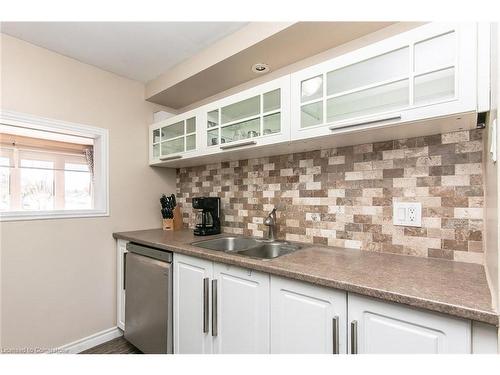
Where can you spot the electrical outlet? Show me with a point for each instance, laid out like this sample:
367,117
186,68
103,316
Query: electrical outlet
407,214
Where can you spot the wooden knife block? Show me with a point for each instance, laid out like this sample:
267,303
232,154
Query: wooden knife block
175,223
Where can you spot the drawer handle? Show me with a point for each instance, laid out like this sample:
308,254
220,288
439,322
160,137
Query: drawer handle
367,122
173,157
354,337
335,332
228,147
205,305
214,308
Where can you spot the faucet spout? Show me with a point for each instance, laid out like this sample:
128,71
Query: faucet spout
270,221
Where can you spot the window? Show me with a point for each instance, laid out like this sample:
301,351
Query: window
4,184
37,185
51,169
77,186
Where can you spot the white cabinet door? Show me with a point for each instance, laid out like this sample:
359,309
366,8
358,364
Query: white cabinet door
307,319
175,138
426,72
389,328
252,118
121,251
154,144
242,310
484,338
191,305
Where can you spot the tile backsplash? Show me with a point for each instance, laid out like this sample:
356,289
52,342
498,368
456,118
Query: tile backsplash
343,196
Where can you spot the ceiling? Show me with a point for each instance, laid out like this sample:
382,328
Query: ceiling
137,50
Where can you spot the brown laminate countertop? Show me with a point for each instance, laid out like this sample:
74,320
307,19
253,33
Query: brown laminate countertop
454,288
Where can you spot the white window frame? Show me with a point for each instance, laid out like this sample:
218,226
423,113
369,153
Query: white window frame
101,165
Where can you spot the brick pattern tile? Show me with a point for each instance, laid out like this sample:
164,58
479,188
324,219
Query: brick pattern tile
344,196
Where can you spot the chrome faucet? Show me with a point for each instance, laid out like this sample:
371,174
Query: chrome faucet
270,221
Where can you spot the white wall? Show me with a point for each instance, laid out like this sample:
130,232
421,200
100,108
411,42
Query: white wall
58,276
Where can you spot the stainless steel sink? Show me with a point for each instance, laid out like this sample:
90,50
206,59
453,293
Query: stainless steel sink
270,250
228,243
250,247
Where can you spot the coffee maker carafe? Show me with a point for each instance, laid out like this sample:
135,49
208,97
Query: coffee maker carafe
208,219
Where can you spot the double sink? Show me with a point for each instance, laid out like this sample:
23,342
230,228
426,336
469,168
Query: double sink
250,247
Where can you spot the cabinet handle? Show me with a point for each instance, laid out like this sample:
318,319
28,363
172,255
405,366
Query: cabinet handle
205,305
124,269
335,332
227,147
367,122
354,337
165,158
214,308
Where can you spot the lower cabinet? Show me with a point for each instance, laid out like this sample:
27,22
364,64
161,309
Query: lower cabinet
241,310
191,296
377,327
306,318
219,308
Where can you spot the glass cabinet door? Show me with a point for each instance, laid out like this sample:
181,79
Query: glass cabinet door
434,67
240,130
256,116
386,67
156,143
419,73
190,134
374,85
172,131
384,98
177,137
172,146
237,111
435,86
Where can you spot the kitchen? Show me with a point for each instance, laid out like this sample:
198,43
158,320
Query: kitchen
243,197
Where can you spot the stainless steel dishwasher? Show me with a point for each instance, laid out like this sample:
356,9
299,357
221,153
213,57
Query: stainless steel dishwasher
148,299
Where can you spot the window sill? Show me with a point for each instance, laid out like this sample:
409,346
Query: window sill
48,215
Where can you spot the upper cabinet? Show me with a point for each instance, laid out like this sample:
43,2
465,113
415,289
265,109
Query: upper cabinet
254,117
420,82
174,138
247,120
424,73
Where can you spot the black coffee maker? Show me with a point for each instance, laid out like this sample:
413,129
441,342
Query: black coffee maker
208,219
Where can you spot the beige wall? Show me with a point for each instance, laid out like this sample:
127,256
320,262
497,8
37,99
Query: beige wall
492,181
58,276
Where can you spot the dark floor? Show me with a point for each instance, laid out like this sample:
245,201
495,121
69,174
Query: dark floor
115,346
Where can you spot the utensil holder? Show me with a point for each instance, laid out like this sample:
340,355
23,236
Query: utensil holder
168,224
175,223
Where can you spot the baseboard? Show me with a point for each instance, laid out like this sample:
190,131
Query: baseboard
88,342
